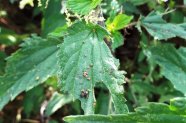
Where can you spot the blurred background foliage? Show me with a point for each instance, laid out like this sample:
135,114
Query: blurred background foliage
144,80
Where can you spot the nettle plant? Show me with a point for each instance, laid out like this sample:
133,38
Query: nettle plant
80,54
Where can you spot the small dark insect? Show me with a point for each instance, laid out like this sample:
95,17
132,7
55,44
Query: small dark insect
84,94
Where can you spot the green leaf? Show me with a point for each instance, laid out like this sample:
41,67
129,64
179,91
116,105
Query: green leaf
151,113
177,17
130,8
58,32
52,121
33,64
82,7
9,37
173,64
30,106
118,40
131,118
103,105
52,17
86,60
119,22
138,2
160,29
2,62
56,102
178,104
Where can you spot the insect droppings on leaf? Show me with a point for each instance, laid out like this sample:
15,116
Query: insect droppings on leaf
85,74
91,65
84,93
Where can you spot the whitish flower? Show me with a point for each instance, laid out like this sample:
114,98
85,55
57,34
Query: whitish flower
162,1
23,3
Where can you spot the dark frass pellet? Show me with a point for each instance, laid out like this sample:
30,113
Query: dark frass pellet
84,94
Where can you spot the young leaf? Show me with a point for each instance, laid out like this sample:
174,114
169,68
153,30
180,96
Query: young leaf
119,22
160,29
56,102
86,60
82,7
173,64
34,63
